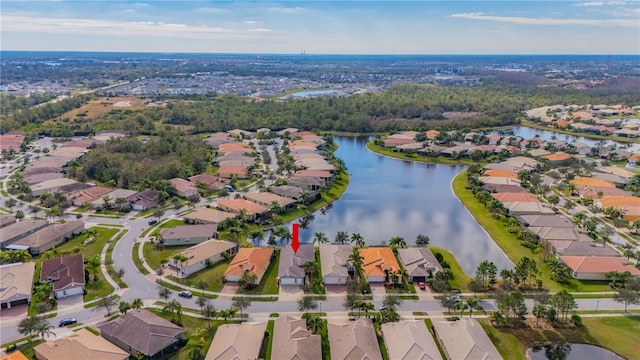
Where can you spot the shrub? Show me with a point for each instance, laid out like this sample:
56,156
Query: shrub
576,319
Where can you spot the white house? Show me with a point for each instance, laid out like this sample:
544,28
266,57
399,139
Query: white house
333,263
203,254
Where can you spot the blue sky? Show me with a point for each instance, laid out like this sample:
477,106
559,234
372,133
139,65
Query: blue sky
324,27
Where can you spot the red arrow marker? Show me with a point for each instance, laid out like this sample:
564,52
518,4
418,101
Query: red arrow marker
295,242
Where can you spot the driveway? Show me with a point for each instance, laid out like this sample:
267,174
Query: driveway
290,293
378,291
70,302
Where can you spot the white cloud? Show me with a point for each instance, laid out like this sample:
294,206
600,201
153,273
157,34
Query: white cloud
287,10
129,10
548,21
141,4
600,3
210,10
259,30
253,22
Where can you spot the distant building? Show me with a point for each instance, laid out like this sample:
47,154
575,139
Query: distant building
188,234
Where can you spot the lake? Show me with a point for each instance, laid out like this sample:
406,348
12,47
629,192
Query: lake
527,133
569,351
309,93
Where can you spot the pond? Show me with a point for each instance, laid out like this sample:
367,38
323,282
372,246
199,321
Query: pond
527,133
309,93
389,197
570,351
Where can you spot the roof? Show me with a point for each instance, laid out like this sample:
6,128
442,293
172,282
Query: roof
268,198
182,185
188,231
599,264
237,341
505,188
517,196
418,260
353,340
52,184
607,201
210,180
16,281
527,207
581,248
377,260
558,157
333,260
292,264
313,173
232,170
16,355
254,260
557,233
465,339
88,194
143,330
287,190
63,271
292,340
555,220
594,192
501,173
206,249
238,204
209,215
6,220
81,345
21,227
51,233
498,180
590,182
409,340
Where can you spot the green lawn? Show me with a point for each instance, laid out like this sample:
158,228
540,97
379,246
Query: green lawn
109,260
266,353
269,282
212,276
136,259
383,348
429,324
510,244
618,334
415,157
461,279
153,256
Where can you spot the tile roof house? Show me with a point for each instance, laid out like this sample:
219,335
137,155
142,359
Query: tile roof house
80,345
593,192
111,197
16,355
214,182
320,174
237,341
188,234
51,236
306,183
465,340
556,220
295,193
517,196
66,274
595,267
591,182
57,185
16,283
184,188
6,220
409,340
253,210
255,260
334,263
291,266
230,172
292,340
377,263
86,196
11,233
419,262
558,233
267,199
496,180
143,200
202,254
207,216
581,248
353,340
143,331
527,208
615,201
501,173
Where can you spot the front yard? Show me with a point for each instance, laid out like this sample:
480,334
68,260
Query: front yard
269,283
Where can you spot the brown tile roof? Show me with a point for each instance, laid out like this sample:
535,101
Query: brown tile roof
233,170
16,355
591,182
81,345
236,204
63,271
206,249
558,157
511,197
209,215
51,233
182,185
301,143
233,146
353,340
375,260
88,194
592,192
313,173
268,198
600,264
501,173
254,260
607,201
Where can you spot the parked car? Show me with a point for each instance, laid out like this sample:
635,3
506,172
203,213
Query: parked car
229,188
67,321
456,298
152,222
185,294
421,285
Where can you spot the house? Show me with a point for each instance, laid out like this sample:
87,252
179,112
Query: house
320,174
10,234
184,188
501,173
16,282
378,263
504,188
252,210
86,196
62,185
53,235
6,220
514,164
254,260
231,172
616,201
557,220
496,180
558,233
16,355
288,132
292,340
517,196
237,341
141,331
111,198
586,182
419,262
214,182
202,255
334,264
558,158
593,192
291,267
66,275
268,199
465,340
188,234
595,267
581,248
143,200
232,147
306,183
409,340
207,216
353,340
240,134
526,208
296,193
80,345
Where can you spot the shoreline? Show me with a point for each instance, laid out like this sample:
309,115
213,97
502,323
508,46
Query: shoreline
534,125
418,158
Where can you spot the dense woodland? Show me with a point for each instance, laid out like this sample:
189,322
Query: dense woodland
403,106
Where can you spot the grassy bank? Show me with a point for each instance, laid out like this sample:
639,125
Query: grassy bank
618,334
535,125
415,157
460,279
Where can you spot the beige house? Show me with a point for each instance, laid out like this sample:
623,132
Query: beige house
207,216
16,283
267,199
9,234
292,340
334,263
353,340
81,345
237,341
198,256
465,340
409,340
188,234
419,262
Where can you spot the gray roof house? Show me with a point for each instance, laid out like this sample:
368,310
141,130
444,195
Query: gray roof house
291,268
9,234
51,236
143,331
581,248
556,220
292,340
409,340
188,234
237,341
419,262
465,340
6,220
353,340
333,263
558,233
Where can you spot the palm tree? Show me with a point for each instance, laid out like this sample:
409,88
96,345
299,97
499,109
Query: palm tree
256,234
320,238
311,269
355,259
235,233
342,237
367,306
314,323
44,329
397,241
93,263
242,216
137,303
472,304
196,343
209,311
357,239
106,200
422,240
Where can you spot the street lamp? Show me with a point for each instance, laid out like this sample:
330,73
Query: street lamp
597,304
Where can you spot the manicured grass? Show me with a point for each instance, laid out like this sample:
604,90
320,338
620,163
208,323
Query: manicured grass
574,133
27,349
429,324
618,334
415,157
109,260
268,348
510,244
460,278
95,247
153,256
136,259
212,276
383,348
96,289
269,282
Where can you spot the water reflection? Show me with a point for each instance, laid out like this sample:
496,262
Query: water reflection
527,133
568,351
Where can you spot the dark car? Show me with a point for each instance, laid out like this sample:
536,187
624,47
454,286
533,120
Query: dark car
152,222
67,321
186,294
421,285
